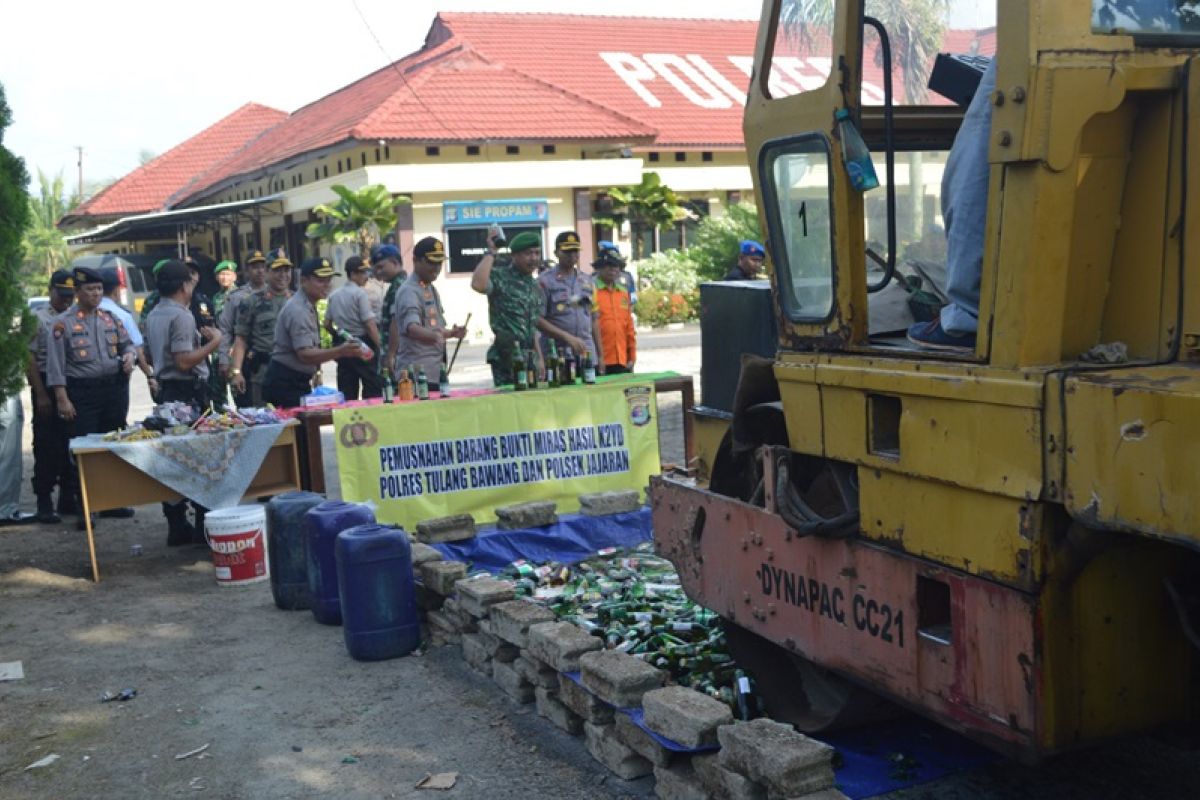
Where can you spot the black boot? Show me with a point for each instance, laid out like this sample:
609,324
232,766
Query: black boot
179,530
45,511
198,535
67,505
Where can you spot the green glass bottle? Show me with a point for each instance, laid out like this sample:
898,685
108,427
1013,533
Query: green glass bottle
520,376
552,375
422,384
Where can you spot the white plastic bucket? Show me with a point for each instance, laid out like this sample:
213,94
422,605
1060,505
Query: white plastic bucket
238,539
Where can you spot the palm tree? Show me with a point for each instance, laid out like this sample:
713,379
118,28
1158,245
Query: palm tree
361,217
646,206
45,247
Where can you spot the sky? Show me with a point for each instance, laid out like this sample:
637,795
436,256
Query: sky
127,76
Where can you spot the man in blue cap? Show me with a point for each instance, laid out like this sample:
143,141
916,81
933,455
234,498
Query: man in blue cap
51,459
749,263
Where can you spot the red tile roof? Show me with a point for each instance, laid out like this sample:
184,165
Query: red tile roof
155,185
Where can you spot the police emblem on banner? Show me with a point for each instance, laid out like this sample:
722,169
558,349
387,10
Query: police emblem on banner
359,433
637,398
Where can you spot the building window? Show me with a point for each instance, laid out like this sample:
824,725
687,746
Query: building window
472,149
512,150
364,158
387,152
549,149
376,155
433,150
706,155
325,170
339,166
653,158
316,174
466,246
680,156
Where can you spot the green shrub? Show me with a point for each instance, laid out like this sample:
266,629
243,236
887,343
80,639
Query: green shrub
714,243
657,308
668,271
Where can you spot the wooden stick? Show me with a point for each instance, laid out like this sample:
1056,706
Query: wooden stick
459,345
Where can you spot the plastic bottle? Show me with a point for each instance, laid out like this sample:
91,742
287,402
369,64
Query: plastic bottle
855,154
422,384
287,548
588,368
322,525
376,592
444,381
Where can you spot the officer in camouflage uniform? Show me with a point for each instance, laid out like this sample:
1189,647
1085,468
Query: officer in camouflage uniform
389,268
515,303
255,273
218,383
254,330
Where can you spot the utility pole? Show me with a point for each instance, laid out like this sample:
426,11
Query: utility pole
79,164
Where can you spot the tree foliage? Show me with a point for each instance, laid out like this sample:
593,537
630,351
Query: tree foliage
358,216
15,318
45,245
645,206
916,29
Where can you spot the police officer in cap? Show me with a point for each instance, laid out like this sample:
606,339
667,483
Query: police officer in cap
749,263
297,353
51,459
181,360
419,331
569,300
88,357
255,273
255,328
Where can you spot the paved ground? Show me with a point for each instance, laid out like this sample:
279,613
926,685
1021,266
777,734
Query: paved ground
286,713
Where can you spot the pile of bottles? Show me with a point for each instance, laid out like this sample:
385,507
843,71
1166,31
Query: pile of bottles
560,371
632,599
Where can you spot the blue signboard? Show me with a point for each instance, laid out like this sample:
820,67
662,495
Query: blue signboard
456,213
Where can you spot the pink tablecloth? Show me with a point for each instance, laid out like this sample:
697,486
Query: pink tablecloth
290,413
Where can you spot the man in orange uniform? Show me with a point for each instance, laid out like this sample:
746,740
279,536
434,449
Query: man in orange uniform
618,339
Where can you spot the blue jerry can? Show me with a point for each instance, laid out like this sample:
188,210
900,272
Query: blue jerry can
378,596
323,524
286,548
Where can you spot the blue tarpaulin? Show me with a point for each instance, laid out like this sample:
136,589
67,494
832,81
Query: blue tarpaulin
573,538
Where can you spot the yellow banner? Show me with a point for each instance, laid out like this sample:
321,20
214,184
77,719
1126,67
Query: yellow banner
418,461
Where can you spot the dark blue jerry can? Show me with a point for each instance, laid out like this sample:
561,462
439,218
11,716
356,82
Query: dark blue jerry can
286,548
323,523
375,582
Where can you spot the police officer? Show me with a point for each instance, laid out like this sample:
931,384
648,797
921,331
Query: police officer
51,460
297,353
419,331
749,263
255,273
350,313
569,300
88,355
389,268
254,329
181,360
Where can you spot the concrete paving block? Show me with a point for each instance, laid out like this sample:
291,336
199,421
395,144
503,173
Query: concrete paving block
508,679
560,644
685,716
678,782
610,751
550,707
583,702
771,753
725,784
619,678
475,654
422,554
511,620
453,608
441,622
537,673
526,515
478,595
440,576
814,781
596,504
825,794
641,742
446,529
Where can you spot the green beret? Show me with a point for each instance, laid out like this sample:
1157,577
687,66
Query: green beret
158,266
224,266
524,241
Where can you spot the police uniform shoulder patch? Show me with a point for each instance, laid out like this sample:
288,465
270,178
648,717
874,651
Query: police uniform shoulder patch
59,330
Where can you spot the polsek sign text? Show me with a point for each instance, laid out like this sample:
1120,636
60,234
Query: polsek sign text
652,76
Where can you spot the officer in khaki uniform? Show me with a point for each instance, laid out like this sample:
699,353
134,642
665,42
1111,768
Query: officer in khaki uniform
254,330
297,353
51,460
569,299
419,331
88,356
